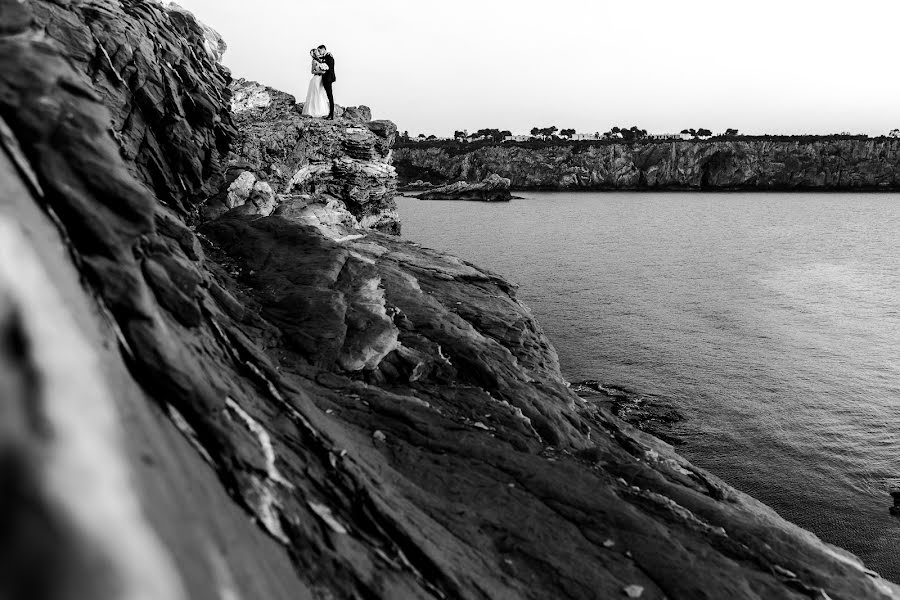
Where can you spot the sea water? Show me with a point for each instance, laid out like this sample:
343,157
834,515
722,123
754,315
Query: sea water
772,321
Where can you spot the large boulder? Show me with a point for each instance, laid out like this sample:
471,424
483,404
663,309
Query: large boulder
241,190
358,114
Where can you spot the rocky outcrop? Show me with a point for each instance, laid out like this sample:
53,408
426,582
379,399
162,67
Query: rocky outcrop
894,491
340,169
112,119
865,165
213,43
167,96
493,189
270,409
656,416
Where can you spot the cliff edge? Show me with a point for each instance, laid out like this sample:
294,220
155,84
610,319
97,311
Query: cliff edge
242,405
713,165
330,172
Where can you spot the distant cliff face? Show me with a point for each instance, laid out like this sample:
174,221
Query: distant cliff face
710,165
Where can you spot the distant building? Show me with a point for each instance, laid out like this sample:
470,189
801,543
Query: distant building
669,136
587,136
517,138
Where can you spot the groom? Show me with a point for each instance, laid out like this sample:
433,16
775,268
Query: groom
328,78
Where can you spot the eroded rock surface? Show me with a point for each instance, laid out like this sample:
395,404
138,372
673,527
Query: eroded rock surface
168,97
303,411
336,167
707,165
493,189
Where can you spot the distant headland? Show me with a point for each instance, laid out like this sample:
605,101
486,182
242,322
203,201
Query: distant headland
632,159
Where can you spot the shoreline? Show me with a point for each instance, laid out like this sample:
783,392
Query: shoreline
593,190
625,400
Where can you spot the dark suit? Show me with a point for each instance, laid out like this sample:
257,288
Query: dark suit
328,80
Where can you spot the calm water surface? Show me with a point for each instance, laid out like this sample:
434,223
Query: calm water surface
771,320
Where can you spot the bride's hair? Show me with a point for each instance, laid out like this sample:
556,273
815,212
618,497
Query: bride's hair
313,52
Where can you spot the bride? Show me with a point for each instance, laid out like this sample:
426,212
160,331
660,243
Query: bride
316,99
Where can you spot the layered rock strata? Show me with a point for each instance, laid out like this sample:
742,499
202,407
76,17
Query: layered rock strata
768,165
333,171
272,409
493,189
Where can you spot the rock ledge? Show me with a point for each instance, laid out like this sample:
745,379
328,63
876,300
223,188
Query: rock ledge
492,189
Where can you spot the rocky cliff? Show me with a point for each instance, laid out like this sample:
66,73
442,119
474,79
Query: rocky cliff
328,171
280,407
849,164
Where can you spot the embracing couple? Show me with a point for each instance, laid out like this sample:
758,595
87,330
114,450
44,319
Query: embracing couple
320,98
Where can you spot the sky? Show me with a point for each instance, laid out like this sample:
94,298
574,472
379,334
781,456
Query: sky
760,66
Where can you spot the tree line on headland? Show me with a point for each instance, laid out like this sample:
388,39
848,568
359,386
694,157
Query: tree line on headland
553,132
634,133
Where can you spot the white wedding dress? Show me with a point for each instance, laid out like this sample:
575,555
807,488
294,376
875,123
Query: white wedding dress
316,99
